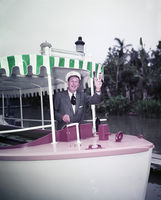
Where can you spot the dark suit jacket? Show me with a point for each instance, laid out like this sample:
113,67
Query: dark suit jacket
62,106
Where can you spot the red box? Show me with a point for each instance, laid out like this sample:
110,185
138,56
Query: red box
67,134
103,132
85,131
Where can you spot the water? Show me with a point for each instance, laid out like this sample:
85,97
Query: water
153,192
134,125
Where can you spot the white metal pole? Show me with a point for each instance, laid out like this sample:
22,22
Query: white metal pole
42,108
3,107
93,108
21,112
77,131
51,104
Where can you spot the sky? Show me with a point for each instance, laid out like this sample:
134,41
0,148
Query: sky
25,24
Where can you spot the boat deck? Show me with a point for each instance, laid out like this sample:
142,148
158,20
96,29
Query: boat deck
20,138
91,147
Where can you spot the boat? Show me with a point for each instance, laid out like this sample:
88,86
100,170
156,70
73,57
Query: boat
76,162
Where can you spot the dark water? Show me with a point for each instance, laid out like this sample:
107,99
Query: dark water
134,125
153,191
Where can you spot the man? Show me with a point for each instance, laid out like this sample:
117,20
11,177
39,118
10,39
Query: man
70,105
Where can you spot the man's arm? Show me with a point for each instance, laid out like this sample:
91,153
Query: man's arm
98,84
96,98
57,106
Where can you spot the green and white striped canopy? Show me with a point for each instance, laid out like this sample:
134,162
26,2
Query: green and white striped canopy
23,61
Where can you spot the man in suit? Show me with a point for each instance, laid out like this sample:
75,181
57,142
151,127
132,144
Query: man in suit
70,105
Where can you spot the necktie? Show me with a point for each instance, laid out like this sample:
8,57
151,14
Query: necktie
73,100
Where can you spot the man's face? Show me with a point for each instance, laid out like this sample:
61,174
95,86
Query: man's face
73,84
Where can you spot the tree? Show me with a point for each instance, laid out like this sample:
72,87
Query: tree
156,67
135,74
114,63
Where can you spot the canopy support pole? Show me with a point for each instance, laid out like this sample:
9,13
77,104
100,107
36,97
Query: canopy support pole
42,108
3,107
93,108
21,112
51,105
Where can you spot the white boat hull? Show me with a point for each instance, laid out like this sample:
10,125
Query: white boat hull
118,177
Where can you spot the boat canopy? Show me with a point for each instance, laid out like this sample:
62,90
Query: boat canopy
29,73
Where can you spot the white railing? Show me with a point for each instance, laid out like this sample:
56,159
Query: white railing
19,129
32,120
25,129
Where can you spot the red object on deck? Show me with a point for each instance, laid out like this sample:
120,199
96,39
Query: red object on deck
103,132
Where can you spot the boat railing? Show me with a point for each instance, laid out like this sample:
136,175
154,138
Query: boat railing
25,129
32,120
19,128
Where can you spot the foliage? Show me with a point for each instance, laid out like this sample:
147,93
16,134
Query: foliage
132,80
116,59
148,108
117,105
134,74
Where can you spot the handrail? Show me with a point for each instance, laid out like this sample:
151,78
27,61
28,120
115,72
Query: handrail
25,129
32,120
77,131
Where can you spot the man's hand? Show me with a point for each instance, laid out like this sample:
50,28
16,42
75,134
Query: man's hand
66,118
98,83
